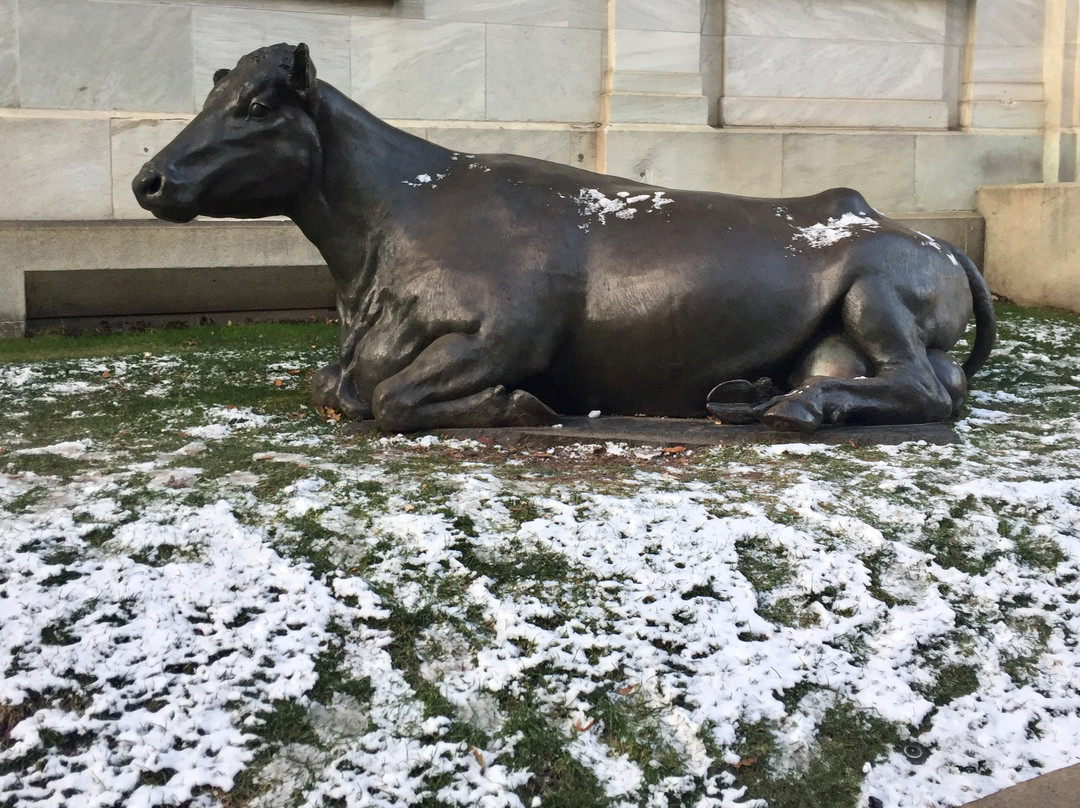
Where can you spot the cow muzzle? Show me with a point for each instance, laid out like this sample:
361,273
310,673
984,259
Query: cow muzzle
162,196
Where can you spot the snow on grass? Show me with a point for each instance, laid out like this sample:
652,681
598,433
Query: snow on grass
216,598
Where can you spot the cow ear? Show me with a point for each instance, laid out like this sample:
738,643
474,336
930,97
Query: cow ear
220,74
302,75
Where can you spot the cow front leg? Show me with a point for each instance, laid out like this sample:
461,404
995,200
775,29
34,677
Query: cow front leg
331,388
454,382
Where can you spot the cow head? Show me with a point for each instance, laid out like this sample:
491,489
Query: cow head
249,152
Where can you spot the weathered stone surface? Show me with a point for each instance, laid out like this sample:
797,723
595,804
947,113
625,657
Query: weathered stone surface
9,67
856,20
879,166
777,67
222,35
1012,23
1007,114
669,108
950,166
993,63
127,292
686,432
81,55
419,69
544,144
55,167
1033,243
704,160
840,112
661,51
543,74
506,12
670,15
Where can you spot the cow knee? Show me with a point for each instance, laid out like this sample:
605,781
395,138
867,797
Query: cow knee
392,411
951,377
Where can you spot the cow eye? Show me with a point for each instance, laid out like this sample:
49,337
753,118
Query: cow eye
258,110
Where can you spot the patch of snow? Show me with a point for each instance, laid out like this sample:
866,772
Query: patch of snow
835,230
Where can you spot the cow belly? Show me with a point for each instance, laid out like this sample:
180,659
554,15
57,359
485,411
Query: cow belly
663,371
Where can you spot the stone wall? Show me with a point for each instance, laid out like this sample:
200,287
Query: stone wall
915,102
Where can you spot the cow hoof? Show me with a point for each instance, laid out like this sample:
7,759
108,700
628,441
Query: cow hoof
742,391
527,410
790,415
328,392
731,413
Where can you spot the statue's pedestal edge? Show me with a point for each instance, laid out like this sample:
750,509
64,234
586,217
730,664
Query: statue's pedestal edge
688,432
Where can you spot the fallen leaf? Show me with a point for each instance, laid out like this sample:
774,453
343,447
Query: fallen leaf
742,764
479,758
105,374
277,382
584,727
294,372
673,449
626,691
230,406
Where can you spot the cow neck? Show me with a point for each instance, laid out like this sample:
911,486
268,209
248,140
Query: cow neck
364,162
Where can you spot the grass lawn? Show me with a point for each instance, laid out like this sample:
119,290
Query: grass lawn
211,596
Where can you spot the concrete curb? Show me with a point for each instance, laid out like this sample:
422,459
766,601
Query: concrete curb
1058,789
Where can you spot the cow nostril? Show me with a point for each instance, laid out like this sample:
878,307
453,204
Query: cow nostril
151,185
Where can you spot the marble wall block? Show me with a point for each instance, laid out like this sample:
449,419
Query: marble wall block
662,51
732,162
508,12
849,113
712,17
76,54
1070,110
9,67
649,15
1018,23
587,14
55,168
950,166
411,9
712,74
134,141
881,167
992,63
419,69
1007,91
855,20
220,36
543,74
1008,115
544,144
772,67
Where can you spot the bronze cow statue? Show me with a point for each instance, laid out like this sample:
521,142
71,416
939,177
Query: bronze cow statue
492,289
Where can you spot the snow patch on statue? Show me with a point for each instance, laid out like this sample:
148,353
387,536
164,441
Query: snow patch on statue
594,203
834,230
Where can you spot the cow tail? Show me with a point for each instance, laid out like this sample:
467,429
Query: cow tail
983,306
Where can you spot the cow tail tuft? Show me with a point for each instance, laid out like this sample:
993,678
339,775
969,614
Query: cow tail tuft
983,306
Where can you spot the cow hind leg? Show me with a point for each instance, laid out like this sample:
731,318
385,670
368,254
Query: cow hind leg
454,383
876,372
